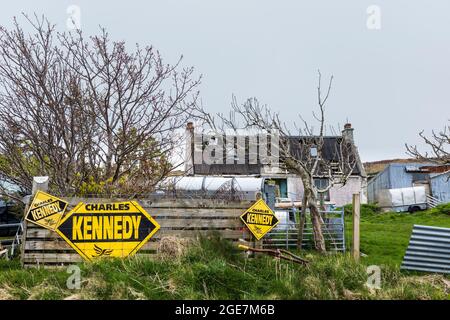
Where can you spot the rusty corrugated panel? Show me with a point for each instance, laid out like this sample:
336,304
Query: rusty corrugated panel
436,168
428,250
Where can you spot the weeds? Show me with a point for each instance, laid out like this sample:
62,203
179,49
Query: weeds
212,268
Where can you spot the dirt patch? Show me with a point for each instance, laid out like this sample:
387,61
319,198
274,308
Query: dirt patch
73,297
5,295
437,281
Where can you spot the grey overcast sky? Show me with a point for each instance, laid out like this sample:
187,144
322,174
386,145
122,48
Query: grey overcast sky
390,83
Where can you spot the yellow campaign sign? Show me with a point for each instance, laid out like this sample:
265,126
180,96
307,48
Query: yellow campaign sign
46,210
259,219
116,229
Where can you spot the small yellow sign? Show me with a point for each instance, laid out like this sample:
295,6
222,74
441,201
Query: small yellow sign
46,210
116,229
259,219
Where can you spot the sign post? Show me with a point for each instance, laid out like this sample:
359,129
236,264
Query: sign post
39,184
356,217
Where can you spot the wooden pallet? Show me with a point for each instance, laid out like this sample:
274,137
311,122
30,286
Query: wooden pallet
183,218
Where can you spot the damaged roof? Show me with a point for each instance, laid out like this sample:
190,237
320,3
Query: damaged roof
331,153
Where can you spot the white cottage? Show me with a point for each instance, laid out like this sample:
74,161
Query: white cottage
289,185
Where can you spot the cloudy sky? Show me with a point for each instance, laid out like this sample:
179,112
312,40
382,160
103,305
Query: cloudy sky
390,59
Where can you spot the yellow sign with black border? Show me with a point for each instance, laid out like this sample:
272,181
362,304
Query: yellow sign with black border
46,210
116,229
259,219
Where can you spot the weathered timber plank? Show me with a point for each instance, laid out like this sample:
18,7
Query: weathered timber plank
47,245
41,233
51,257
48,260
32,246
170,203
200,223
34,258
60,244
194,213
180,224
46,235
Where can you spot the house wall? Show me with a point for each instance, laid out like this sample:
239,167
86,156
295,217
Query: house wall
342,195
440,187
339,195
295,188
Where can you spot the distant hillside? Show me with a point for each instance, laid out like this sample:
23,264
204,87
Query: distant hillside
372,168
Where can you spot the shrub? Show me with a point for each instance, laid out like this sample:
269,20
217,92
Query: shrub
442,208
213,268
366,209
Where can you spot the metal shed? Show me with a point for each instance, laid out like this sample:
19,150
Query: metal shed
440,186
394,176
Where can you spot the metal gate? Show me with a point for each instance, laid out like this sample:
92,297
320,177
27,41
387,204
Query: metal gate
285,234
11,244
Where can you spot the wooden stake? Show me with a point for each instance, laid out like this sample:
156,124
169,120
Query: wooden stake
39,183
356,217
278,253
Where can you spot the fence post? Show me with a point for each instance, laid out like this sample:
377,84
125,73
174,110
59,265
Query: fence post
39,183
356,217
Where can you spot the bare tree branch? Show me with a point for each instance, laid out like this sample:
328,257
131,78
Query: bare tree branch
438,142
303,153
86,111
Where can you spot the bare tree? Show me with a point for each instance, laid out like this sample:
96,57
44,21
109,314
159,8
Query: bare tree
439,144
86,111
302,153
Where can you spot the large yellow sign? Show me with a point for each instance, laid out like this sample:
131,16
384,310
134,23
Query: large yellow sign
107,229
46,210
259,219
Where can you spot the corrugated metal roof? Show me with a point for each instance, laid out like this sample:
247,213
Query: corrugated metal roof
434,175
428,250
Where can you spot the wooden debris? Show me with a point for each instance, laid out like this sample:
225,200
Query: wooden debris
278,253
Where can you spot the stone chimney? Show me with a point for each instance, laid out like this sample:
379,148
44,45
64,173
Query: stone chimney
190,127
348,132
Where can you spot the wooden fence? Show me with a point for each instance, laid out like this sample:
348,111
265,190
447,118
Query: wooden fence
184,218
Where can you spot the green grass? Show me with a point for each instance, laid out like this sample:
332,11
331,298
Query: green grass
214,269
385,236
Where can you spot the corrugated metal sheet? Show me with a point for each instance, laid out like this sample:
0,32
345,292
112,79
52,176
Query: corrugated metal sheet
440,186
398,177
379,182
428,250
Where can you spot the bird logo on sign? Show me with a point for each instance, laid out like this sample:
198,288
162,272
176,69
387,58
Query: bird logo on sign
101,252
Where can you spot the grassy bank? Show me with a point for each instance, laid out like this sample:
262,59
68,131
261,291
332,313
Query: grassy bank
385,236
213,269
